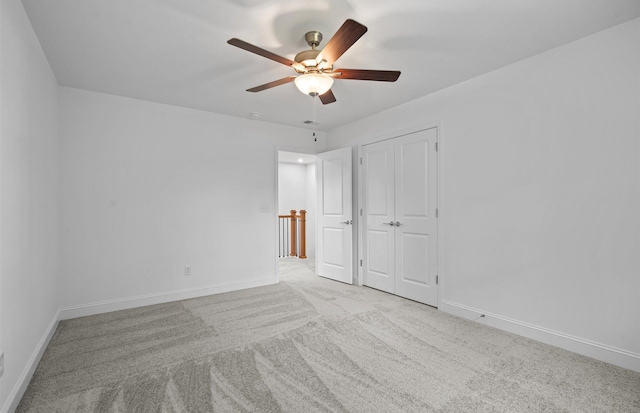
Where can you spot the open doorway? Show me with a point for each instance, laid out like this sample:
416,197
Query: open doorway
296,192
322,184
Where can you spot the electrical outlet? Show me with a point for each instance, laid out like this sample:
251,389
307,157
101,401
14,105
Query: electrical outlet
187,270
1,364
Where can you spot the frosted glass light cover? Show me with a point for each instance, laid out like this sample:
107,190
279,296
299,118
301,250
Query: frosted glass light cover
313,83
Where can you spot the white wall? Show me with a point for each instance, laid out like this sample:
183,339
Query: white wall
148,188
292,187
28,193
540,193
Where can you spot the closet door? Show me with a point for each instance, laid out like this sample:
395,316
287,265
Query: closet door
416,192
378,233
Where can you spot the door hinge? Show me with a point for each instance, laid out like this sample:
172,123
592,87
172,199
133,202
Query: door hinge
360,161
436,146
436,212
360,211
437,279
361,263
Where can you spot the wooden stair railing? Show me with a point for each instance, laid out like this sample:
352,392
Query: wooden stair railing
303,234
294,238
290,237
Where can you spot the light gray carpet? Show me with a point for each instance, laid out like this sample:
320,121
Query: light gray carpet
312,345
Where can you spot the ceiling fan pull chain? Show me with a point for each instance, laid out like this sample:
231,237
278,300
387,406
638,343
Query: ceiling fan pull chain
313,120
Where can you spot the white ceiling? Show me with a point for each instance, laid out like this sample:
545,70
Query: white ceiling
175,51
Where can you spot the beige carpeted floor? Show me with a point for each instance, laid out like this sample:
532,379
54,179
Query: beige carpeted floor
312,345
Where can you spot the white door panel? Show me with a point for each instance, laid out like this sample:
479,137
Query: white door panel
334,246
379,269
332,185
413,261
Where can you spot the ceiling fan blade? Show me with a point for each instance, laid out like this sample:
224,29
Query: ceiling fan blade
264,53
361,74
272,84
345,37
327,97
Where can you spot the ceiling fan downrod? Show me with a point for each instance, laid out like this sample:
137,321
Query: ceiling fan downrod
313,39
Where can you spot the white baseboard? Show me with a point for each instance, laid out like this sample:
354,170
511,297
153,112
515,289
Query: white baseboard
158,298
11,403
598,351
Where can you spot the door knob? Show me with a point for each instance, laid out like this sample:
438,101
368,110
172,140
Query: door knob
348,222
388,223
397,224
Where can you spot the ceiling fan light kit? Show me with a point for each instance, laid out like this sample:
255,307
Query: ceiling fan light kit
313,84
315,67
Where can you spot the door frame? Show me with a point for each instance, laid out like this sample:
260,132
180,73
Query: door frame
277,149
359,202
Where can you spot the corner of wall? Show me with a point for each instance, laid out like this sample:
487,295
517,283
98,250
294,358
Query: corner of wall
13,400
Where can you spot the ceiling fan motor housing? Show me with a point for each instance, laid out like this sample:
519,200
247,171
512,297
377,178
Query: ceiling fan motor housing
308,57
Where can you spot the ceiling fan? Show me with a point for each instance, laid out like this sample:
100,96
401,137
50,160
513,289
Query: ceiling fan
315,67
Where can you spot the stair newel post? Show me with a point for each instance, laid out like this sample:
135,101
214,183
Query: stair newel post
303,234
293,233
